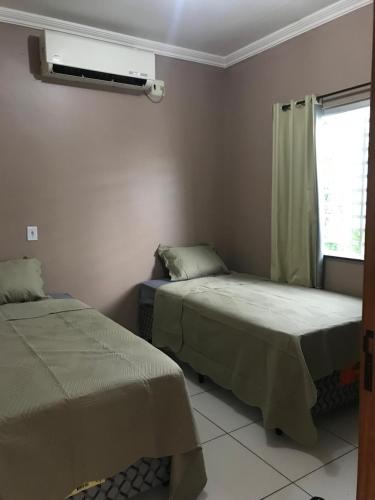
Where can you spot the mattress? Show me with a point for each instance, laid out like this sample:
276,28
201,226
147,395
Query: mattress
333,391
144,475
82,398
265,341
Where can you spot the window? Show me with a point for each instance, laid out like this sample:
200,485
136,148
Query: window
342,156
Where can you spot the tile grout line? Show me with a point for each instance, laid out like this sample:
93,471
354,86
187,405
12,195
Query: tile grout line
337,436
292,482
196,394
277,491
322,427
210,391
256,421
212,439
227,432
201,392
300,487
221,428
324,465
224,432
264,461
212,422
239,442
243,426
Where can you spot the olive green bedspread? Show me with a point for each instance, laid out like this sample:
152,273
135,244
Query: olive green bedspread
82,398
265,341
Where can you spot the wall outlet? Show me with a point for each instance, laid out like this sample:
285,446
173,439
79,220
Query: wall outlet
32,233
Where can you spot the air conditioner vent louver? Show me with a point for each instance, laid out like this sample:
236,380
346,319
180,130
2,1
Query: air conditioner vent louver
59,69
66,57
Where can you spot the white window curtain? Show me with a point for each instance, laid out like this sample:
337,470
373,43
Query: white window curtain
295,256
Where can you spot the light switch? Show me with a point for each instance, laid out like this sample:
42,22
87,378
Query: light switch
32,233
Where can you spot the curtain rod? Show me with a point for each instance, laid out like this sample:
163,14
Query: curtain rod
285,107
344,91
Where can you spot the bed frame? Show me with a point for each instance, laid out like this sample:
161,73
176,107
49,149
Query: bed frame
332,394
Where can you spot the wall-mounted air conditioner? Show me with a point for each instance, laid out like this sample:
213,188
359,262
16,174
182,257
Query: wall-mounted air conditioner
76,58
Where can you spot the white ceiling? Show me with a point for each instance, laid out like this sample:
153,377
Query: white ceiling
215,26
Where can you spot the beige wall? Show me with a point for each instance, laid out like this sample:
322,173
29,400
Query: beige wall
329,58
106,176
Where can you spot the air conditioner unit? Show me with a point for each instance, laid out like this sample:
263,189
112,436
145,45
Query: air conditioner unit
76,58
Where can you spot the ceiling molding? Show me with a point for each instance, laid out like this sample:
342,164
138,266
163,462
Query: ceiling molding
293,30
30,20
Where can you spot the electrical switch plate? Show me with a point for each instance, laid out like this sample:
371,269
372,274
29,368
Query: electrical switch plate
32,233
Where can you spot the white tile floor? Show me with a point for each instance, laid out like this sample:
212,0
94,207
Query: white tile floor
245,462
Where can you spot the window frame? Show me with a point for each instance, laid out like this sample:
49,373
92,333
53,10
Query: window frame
335,110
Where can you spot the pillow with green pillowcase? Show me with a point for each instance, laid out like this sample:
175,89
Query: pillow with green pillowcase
21,281
184,263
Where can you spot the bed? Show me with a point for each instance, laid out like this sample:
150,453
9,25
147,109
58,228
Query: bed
83,399
287,350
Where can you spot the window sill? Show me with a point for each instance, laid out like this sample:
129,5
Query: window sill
337,257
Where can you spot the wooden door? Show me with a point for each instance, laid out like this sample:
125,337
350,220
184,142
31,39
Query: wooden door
366,468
